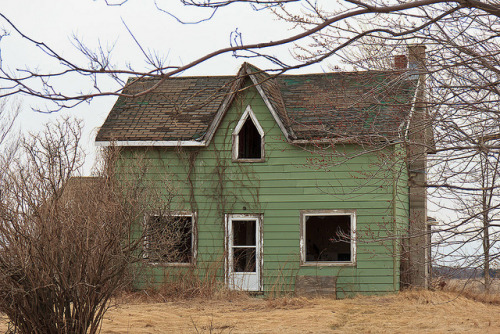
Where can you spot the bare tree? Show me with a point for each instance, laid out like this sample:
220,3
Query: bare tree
65,243
317,23
478,214
461,69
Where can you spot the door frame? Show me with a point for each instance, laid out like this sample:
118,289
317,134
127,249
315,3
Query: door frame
259,258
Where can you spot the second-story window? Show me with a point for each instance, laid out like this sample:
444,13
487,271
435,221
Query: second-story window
248,139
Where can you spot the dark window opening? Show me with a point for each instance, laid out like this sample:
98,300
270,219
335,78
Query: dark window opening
244,243
169,239
250,141
328,238
244,260
244,232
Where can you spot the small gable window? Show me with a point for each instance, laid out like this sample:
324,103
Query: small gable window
248,139
250,142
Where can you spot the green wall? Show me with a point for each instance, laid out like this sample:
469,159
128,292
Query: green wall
292,178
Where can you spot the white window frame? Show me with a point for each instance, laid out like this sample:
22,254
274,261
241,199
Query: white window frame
194,239
307,213
236,138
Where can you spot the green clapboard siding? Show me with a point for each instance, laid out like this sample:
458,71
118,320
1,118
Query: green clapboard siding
292,178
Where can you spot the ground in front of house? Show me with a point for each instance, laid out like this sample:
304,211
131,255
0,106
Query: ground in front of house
407,312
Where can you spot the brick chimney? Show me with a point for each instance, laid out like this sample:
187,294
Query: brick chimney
414,61
400,62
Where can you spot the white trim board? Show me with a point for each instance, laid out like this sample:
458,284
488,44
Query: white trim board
173,143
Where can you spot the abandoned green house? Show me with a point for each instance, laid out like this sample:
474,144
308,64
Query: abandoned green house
292,182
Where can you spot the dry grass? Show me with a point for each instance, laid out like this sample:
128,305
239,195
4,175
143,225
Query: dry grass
406,312
187,284
287,302
474,289
179,293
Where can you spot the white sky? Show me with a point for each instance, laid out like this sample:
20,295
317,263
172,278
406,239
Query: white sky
55,22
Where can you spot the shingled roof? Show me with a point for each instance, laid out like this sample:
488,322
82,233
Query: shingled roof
188,110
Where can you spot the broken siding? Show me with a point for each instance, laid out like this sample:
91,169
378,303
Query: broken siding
279,188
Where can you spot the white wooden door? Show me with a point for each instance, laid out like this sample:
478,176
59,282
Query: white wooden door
244,252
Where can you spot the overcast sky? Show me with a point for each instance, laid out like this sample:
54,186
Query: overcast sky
56,22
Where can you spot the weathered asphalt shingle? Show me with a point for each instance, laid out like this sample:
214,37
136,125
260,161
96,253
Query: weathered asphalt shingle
347,103
313,106
178,109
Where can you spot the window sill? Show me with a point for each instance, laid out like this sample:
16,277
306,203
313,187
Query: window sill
250,160
328,264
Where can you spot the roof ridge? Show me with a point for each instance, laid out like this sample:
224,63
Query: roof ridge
346,73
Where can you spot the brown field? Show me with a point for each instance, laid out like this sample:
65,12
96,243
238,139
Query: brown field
407,312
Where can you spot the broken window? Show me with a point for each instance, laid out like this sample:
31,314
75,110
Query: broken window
328,237
169,239
248,139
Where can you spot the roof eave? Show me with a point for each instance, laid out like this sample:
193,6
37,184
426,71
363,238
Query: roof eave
348,140
157,143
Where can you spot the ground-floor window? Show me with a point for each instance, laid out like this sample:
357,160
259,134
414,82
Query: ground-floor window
169,238
328,237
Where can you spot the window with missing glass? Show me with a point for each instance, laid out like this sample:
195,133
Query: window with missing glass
328,237
169,239
248,139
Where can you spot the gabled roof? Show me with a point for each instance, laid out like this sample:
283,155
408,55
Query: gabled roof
188,110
